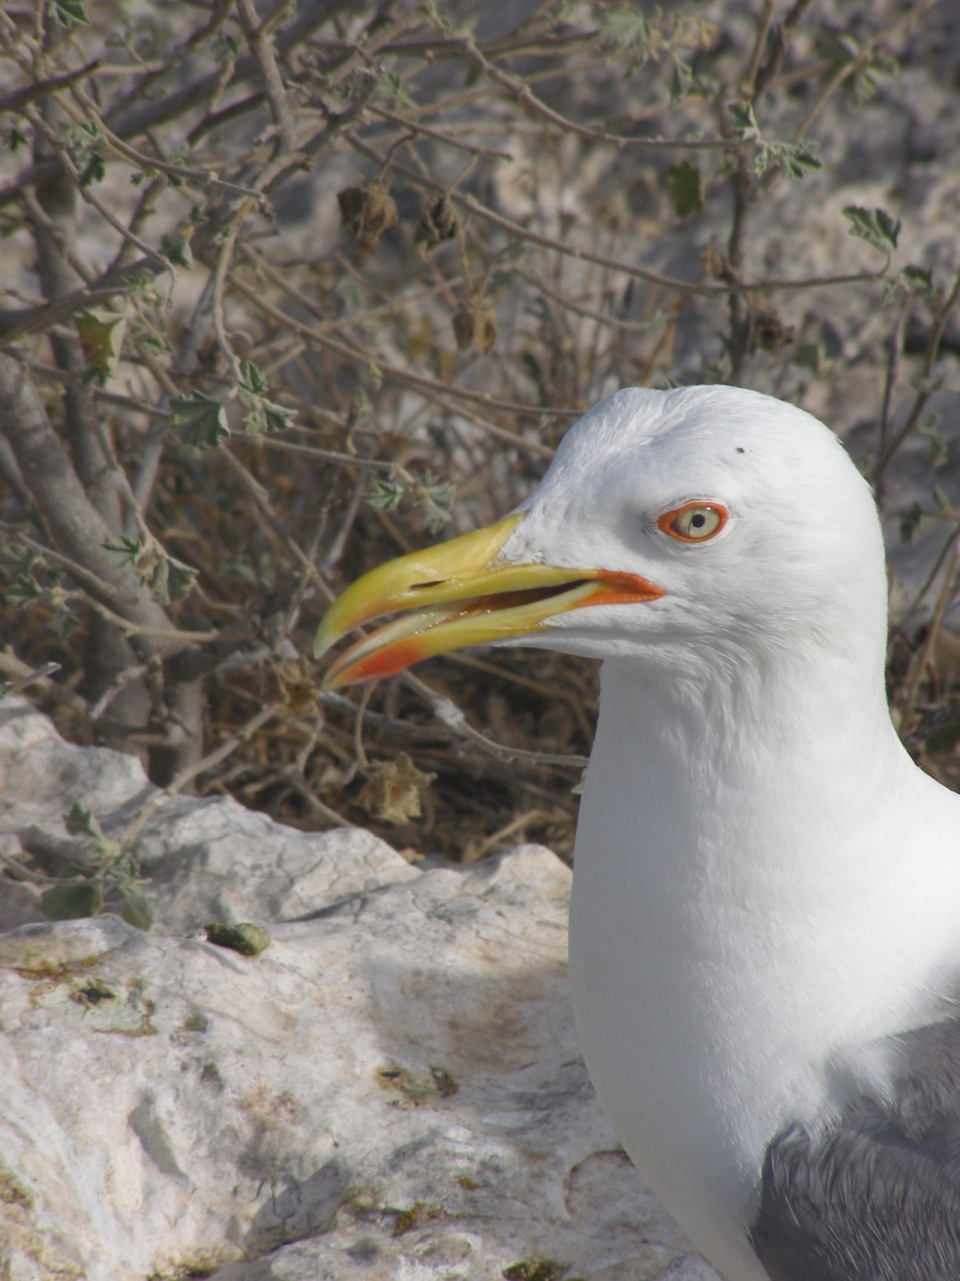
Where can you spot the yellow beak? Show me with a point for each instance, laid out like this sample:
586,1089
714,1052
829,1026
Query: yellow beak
460,596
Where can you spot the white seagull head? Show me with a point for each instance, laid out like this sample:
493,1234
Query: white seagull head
706,523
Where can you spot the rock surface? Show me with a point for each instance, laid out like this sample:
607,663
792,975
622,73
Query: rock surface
392,1089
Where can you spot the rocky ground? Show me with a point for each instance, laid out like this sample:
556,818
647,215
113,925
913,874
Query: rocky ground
391,1089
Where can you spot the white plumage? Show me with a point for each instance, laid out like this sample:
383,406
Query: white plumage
764,880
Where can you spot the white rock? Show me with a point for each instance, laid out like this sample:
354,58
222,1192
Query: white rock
391,1090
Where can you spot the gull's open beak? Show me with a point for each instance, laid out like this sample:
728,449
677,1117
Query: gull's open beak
460,594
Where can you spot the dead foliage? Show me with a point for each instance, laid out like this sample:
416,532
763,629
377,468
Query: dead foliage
291,290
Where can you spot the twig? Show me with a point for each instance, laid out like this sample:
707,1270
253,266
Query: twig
419,382
29,93
13,666
87,576
928,582
924,387
329,455
923,658
455,720
759,44
294,776
358,750
31,678
890,383
243,735
515,229
862,59
261,46
119,682
148,163
129,628
518,825
522,92
261,498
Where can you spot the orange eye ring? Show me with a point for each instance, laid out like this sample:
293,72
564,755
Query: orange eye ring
694,522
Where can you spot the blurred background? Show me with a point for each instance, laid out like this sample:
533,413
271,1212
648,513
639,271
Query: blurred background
291,289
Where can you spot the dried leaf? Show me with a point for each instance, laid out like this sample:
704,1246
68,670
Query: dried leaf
438,222
484,330
769,331
368,212
475,324
463,327
295,686
392,791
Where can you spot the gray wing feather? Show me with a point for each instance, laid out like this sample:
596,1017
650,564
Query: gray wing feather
877,1197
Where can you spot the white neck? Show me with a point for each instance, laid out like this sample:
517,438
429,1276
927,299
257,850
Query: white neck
740,825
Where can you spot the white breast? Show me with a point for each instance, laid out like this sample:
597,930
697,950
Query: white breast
755,899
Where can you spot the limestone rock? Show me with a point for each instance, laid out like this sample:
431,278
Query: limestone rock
392,1089
208,860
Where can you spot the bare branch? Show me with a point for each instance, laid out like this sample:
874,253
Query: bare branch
19,98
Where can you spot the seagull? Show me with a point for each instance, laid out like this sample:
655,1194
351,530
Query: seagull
765,920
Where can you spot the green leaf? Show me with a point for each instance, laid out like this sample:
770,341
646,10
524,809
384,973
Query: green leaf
15,138
875,226
743,120
169,578
178,581
154,342
127,551
247,939
277,417
253,380
682,81
68,11
797,159
17,561
436,501
264,416
71,902
101,339
176,249
683,183
436,17
199,420
81,821
136,911
625,28
916,281
95,170
386,494
23,591
391,86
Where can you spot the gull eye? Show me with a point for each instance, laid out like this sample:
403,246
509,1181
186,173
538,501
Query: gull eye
693,522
